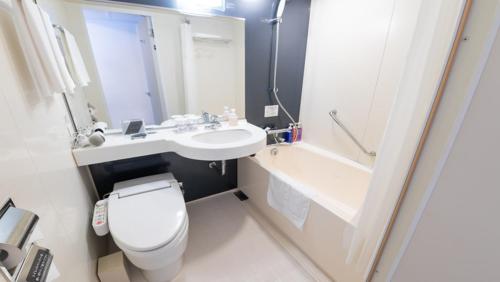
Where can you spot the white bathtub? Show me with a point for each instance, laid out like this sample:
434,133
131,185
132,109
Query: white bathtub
336,186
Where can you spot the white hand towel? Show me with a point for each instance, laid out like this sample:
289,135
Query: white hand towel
43,84
189,69
41,42
79,70
288,200
69,84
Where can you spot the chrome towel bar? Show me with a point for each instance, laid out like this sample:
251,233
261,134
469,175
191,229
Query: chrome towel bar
333,114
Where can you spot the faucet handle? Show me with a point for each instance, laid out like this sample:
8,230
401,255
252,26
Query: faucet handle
206,116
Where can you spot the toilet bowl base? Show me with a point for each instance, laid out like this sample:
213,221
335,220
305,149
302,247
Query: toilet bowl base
164,274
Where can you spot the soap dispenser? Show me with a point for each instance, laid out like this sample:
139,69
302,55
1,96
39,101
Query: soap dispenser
233,118
226,113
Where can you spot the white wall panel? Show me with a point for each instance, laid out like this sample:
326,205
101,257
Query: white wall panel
356,54
36,166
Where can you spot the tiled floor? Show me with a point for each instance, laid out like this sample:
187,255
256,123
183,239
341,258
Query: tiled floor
227,244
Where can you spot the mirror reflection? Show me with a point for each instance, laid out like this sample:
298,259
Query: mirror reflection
153,63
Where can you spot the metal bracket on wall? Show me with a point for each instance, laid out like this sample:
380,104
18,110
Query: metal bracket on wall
7,204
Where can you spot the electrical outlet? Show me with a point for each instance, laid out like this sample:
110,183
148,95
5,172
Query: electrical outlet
271,111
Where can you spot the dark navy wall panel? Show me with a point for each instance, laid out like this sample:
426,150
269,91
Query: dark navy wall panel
199,180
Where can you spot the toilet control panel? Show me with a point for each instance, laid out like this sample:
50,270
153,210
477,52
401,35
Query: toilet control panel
100,219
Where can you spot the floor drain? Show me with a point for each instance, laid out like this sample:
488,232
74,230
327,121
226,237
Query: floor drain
242,196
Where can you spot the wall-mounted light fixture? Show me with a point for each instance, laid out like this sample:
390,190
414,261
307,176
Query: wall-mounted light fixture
202,5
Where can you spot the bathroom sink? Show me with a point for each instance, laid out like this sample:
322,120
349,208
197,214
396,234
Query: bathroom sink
207,144
224,143
223,136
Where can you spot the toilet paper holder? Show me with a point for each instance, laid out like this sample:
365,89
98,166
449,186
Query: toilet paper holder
19,260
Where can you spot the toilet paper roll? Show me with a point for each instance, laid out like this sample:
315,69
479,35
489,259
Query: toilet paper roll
11,256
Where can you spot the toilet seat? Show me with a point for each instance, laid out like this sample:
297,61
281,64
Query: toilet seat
144,217
158,258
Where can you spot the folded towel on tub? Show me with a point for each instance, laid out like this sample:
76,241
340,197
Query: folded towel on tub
283,196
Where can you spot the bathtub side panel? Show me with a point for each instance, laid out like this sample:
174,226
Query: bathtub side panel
321,239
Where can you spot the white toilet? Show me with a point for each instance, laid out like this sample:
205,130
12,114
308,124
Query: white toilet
149,223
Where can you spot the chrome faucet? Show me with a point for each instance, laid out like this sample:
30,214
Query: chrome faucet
274,133
211,121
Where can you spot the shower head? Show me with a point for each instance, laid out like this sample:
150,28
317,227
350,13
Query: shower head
280,9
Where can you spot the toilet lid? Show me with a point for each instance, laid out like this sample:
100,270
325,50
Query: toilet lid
146,221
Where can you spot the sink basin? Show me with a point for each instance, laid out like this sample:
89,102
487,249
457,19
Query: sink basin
223,137
223,143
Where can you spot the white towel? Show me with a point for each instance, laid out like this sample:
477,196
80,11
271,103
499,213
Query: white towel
69,84
36,47
189,70
76,61
286,199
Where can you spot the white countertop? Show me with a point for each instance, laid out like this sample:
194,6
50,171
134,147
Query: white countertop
119,146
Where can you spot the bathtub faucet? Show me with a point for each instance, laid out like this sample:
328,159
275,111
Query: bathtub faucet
274,132
270,131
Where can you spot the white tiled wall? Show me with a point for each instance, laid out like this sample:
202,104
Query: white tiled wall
356,54
36,166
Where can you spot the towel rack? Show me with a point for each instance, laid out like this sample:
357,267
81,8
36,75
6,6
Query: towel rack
333,114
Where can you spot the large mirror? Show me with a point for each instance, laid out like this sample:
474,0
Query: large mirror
154,63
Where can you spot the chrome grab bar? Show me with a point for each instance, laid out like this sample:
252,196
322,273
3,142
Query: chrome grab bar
333,114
